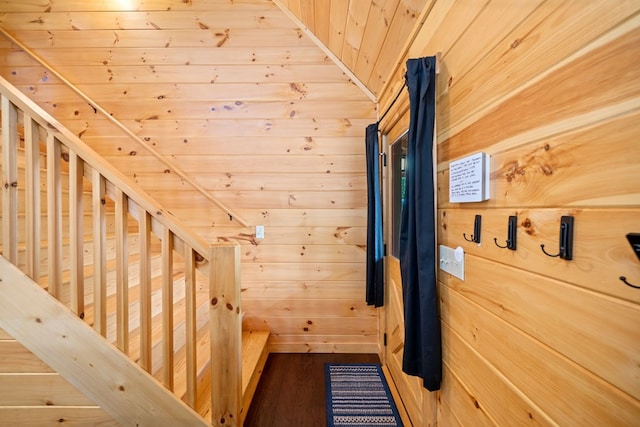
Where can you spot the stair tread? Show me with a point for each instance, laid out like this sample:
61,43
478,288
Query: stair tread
254,345
255,351
254,357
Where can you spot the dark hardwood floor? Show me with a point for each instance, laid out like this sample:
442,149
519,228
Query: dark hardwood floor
291,391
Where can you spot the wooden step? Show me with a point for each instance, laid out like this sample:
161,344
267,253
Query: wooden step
96,379
254,344
255,351
254,357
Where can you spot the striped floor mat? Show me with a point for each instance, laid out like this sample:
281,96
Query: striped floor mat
358,395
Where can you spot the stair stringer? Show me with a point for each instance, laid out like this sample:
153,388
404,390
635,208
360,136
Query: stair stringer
84,358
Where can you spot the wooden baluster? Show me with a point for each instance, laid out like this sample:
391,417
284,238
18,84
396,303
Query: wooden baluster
54,215
122,271
76,230
167,307
190,321
32,197
145,290
226,334
9,181
99,253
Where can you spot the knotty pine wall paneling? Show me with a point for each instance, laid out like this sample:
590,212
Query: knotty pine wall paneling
242,101
46,396
551,93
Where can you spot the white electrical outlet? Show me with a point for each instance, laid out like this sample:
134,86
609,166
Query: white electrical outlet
259,231
452,261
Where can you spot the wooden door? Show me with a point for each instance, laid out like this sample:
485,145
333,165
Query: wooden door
393,174
419,404
394,318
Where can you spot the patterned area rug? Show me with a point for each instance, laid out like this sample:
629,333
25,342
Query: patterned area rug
358,395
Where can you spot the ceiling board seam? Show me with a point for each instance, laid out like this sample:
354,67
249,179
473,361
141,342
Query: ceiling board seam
405,49
379,48
326,50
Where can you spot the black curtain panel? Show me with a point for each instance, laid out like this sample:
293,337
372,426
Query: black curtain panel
375,249
422,344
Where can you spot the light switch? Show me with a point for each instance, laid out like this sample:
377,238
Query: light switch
259,231
452,261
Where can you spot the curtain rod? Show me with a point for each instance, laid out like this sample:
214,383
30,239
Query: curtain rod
392,102
404,85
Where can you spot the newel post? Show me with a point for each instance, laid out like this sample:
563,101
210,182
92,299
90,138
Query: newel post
226,334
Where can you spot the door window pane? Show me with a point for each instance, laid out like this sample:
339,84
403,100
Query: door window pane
398,160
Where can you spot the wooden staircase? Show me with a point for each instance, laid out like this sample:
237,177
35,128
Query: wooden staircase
108,253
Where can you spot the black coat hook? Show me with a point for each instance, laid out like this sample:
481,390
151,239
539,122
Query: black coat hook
624,279
475,237
511,234
566,239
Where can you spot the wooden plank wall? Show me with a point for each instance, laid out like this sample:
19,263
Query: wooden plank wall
551,90
34,395
241,100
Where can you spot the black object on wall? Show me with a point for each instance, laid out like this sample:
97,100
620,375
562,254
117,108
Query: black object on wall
512,233
477,227
565,239
634,241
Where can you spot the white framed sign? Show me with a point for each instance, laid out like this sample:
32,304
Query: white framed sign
469,179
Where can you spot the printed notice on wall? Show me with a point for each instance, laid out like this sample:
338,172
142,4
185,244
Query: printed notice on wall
469,179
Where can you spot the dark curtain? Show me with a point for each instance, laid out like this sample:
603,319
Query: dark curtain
375,249
422,344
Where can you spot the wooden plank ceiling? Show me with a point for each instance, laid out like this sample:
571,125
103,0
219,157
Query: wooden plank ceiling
367,36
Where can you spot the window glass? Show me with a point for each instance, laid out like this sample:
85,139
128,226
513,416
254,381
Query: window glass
398,160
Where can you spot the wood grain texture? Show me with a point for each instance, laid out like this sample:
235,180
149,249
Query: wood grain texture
91,362
101,310
17,359
226,332
489,393
214,73
566,100
255,352
568,168
531,90
527,58
193,55
203,109
155,5
51,415
549,89
602,256
553,392
9,178
579,318
399,30
33,177
412,393
40,390
212,38
143,20
375,30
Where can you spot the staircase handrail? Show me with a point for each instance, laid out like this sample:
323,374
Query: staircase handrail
93,159
219,262
114,382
